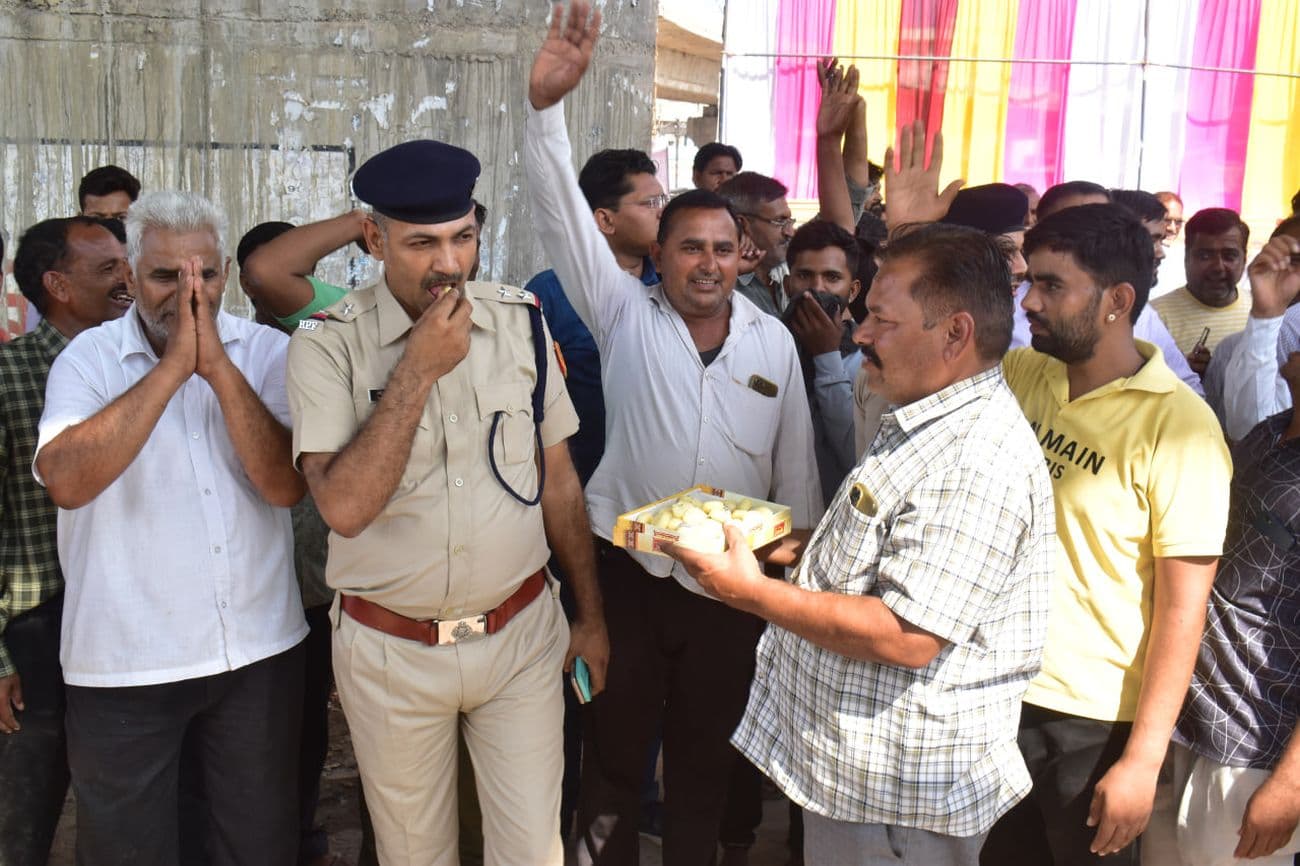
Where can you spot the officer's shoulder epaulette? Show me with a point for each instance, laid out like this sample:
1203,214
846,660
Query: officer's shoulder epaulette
345,309
499,292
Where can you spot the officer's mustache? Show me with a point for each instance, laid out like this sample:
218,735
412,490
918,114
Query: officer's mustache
448,280
870,354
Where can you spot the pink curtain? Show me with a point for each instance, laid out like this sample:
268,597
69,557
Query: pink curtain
802,27
926,27
1219,103
1036,113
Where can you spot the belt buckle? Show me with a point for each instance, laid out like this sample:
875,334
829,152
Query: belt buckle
453,631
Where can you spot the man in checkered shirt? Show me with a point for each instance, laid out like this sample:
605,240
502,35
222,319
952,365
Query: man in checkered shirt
74,272
888,690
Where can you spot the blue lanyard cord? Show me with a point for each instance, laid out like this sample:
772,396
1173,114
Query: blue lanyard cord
541,463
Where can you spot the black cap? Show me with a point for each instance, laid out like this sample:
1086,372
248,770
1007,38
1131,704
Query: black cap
994,208
419,182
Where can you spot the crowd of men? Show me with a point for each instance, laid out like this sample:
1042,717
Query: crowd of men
1041,603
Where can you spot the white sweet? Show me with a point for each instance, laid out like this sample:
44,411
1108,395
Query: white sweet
747,523
694,514
706,537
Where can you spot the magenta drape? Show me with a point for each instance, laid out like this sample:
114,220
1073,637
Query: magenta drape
1036,109
804,27
1219,104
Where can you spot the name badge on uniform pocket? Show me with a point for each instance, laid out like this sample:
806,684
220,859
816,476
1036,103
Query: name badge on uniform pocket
763,386
862,500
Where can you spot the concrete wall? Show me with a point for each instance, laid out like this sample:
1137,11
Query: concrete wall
267,106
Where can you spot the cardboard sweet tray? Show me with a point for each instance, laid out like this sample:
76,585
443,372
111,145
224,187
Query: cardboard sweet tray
672,520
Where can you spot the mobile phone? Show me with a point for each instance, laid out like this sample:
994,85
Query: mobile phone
580,679
1200,344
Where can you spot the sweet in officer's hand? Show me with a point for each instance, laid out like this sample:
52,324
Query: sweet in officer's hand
440,337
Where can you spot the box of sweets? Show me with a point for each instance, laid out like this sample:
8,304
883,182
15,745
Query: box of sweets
694,518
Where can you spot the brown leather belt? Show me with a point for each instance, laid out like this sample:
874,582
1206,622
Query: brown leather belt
435,632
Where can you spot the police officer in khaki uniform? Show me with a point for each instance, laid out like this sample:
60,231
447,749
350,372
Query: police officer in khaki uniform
416,404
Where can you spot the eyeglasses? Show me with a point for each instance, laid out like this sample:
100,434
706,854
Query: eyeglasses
784,223
658,202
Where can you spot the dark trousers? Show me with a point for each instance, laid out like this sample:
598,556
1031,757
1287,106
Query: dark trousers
314,741
239,731
678,660
1066,756
743,811
34,760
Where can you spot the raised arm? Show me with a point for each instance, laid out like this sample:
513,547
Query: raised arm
911,187
277,271
1252,390
835,114
857,167
352,486
81,460
594,283
262,443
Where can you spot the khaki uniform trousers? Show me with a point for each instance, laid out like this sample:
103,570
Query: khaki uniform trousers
404,703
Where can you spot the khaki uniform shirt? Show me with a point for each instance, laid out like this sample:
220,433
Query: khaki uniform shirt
451,541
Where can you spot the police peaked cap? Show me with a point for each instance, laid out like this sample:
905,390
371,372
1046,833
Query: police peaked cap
419,181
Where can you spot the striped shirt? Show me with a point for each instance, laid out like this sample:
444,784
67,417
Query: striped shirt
1186,318
29,556
947,520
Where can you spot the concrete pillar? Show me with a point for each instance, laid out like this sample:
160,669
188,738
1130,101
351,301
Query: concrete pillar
267,106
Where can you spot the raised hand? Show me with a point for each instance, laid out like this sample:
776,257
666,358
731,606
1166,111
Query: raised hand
565,55
839,98
1274,277
182,351
911,187
440,337
750,255
211,357
816,332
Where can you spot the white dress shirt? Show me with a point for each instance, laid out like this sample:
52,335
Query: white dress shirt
1252,388
1149,326
178,569
670,422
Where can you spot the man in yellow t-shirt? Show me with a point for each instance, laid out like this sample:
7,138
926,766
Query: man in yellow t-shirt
1215,260
1140,475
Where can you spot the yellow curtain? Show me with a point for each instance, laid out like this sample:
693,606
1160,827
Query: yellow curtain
1273,152
975,104
872,29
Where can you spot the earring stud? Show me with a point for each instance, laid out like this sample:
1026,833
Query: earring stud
1111,317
